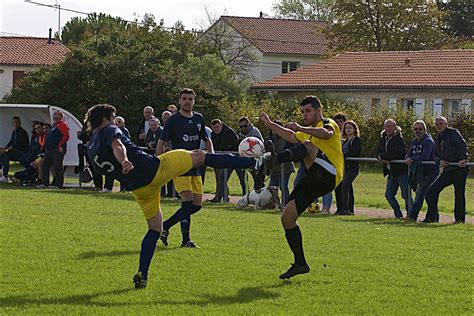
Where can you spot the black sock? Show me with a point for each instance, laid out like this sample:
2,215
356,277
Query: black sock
195,209
173,220
186,208
294,153
295,240
147,251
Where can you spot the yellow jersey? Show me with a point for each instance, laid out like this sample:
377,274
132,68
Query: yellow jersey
330,150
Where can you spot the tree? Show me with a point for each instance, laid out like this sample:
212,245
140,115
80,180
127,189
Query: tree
459,17
318,10
382,25
234,50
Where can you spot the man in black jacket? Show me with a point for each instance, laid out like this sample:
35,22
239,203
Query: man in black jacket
450,146
224,138
392,147
16,148
144,127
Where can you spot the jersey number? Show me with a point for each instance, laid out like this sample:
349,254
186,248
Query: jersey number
104,165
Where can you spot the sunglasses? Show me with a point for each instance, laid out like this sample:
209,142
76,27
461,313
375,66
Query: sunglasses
244,126
417,129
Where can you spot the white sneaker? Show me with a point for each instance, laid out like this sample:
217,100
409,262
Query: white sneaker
104,190
3,179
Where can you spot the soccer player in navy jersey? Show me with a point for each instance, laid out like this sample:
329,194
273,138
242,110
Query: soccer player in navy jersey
113,154
185,130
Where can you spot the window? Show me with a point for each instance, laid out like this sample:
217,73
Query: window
455,106
288,66
18,76
408,103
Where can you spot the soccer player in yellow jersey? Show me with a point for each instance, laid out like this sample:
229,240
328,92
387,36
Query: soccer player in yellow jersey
320,149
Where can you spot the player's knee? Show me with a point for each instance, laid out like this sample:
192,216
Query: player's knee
198,157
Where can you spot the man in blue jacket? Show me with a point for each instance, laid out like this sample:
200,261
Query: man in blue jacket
422,148
16,148
450,148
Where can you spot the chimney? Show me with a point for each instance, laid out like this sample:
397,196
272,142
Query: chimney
261,14
407,62
49,39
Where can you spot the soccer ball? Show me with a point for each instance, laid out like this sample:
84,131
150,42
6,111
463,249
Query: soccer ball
314,208
251,147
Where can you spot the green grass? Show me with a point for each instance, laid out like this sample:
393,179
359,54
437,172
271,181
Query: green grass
74,252
369,191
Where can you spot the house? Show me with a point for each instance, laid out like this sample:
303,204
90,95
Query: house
21,55
277,45
439,81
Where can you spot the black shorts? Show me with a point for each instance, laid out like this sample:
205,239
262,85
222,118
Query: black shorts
316,182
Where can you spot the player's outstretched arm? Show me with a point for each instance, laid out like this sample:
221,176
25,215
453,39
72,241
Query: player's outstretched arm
318,132
120,153
285,133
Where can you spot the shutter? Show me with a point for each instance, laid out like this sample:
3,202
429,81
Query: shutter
392,103
419,107
466,105
437,107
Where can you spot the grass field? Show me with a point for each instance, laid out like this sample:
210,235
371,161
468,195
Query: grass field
74,252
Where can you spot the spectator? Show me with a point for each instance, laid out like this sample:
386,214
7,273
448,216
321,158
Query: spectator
351,147
172,109
392,147
340,118
84,136
248,130
143,127
420,177
278,179
450,148
224,138
165,116
56,146
16,148
153,135
35,147
120,122
169,191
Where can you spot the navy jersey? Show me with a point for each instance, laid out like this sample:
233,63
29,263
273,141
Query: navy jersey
185,133
101,154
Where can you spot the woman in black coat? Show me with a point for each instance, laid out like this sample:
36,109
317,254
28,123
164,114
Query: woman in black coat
351,147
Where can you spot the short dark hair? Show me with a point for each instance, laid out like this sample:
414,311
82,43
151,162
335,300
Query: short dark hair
244,118
98,112
340,116
46,124
311,99
216,121
16,118
186,91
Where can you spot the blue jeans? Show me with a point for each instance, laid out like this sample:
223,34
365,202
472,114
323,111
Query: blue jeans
393,182
281,182
327,199
421,191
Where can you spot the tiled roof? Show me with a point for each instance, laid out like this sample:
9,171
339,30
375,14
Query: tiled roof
31,51
401,69
281,36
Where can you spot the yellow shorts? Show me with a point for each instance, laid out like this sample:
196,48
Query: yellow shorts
172,164
188,183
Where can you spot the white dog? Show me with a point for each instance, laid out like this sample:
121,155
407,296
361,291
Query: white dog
262,198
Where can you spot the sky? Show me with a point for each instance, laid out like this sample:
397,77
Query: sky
18,17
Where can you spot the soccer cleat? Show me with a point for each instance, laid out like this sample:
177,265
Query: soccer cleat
164,237
139,281
295,270
189,244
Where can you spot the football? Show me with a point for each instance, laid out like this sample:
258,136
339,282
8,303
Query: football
314,208
251,147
